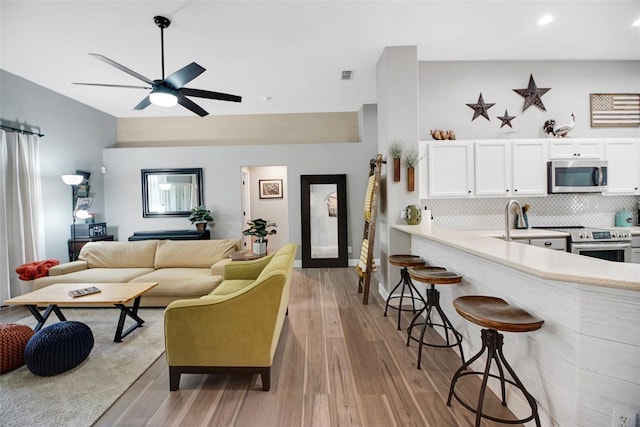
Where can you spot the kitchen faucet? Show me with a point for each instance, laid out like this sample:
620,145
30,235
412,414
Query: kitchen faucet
507,219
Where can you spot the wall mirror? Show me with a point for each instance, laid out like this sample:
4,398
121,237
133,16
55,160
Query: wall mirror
324,220
171,192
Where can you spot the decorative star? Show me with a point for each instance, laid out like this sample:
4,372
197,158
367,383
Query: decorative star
506,119
532,95
480,109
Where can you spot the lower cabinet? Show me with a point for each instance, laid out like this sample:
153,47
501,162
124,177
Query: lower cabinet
558,243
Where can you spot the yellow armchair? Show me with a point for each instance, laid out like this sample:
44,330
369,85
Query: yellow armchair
236,328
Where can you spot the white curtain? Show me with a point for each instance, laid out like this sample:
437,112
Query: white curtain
21,213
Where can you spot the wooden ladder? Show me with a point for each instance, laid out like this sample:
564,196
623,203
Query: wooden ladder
366,263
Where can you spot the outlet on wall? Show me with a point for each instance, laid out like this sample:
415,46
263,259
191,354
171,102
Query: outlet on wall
623,418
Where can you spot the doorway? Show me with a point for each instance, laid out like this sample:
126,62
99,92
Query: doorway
265,195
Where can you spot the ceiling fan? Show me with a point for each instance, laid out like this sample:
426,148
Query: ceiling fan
170,90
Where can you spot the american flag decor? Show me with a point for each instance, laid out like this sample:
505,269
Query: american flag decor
615,109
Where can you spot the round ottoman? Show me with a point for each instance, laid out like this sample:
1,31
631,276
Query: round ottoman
58,348
13,340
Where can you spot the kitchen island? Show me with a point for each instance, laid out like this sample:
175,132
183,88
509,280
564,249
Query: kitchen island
585,361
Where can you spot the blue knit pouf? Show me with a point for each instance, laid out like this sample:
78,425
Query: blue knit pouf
58,348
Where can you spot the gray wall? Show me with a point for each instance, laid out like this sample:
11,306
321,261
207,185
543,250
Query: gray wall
222,166
74,138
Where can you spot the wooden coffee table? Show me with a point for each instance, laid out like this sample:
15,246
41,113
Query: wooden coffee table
57,295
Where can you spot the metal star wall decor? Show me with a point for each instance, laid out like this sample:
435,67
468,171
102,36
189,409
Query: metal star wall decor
480,109
532,95
506,119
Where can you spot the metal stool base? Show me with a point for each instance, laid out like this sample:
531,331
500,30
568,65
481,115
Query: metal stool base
414,295
433,302
492,342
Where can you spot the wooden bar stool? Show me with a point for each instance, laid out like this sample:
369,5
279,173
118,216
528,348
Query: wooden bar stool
434,276
405,261
495,315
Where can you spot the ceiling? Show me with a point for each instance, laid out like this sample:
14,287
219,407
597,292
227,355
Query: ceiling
287,56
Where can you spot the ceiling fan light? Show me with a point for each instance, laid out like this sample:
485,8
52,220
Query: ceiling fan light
163,98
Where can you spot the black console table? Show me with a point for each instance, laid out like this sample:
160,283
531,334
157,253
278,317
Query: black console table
74,246
171,235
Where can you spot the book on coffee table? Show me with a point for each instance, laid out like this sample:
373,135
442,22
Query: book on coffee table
84,291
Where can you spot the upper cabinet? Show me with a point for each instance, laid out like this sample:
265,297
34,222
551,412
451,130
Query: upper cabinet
623,173
512,168
492,168
575,148
450,169
529,167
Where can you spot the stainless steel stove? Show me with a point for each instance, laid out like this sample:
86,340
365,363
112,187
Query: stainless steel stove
610,245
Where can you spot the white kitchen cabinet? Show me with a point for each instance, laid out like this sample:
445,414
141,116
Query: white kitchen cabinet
529,167
511,168
623,173
557,243
578,148
492,163
450,169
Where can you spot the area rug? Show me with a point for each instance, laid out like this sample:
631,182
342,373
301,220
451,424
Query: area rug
78,397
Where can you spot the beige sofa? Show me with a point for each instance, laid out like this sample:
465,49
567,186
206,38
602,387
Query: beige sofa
182,268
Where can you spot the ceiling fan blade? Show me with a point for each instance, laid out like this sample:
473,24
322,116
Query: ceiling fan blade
210,95
108,85
184,75
122,68
143,104
190,105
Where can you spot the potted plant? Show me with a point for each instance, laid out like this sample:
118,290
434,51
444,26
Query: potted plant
200,216
411,157
395,151
260,228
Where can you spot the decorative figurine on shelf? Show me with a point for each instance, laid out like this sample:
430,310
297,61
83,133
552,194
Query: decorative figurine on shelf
442,135
560,131
395,151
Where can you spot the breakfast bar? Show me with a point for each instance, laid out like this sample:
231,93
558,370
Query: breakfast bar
584,362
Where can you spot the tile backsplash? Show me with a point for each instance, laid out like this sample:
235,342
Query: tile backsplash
592,210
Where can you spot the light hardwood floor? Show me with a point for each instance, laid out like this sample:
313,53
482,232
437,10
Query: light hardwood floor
338,363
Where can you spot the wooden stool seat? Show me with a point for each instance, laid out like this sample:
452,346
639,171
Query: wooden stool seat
432,276
495,313
404,261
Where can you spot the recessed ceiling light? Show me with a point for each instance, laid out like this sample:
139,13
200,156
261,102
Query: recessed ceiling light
636,23
266,98
546,19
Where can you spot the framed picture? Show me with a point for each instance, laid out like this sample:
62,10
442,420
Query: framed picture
615,109
270,188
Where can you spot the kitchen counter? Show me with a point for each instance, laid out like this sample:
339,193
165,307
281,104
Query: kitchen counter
540,262
585,360
529,233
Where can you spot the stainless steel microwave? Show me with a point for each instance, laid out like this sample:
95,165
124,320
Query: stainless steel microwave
577,176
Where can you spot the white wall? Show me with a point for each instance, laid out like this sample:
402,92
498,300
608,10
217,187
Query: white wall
446,87
74,138
222,186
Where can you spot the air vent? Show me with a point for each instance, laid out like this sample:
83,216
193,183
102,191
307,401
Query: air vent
347,75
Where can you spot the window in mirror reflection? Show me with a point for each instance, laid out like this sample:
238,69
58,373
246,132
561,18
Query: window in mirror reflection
171,192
